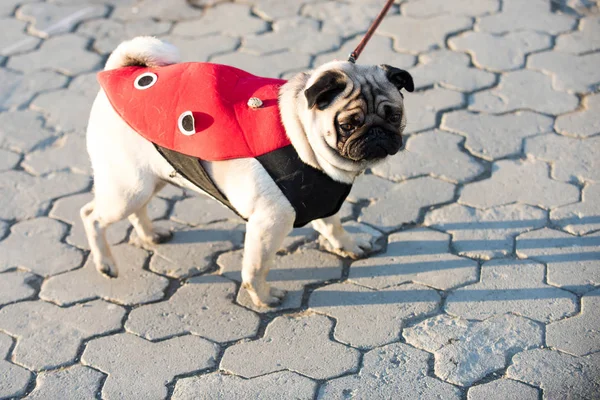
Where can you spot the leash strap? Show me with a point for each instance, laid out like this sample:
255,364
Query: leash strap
356,53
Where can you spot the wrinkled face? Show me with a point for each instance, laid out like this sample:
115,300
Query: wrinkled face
359,110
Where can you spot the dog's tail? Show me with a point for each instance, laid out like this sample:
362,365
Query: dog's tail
143,51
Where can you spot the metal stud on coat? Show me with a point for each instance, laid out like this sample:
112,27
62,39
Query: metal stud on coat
255,102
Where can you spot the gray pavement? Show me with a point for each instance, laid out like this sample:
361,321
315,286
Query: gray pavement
487,280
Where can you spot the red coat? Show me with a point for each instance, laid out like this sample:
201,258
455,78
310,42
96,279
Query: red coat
216,95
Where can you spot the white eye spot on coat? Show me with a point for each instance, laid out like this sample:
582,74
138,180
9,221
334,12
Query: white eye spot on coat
186,123
145,81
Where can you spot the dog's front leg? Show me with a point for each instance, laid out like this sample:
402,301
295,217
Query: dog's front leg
342,243
265,232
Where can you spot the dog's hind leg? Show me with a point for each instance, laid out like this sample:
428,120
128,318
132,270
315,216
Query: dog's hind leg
147,233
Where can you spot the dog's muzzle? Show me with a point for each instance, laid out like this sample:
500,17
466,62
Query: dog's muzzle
378,143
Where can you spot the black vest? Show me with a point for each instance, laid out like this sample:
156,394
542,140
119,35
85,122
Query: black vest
311,192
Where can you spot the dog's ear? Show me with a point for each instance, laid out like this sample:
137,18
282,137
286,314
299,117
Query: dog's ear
325,89
399,77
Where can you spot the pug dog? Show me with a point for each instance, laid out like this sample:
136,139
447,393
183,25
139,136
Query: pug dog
337,120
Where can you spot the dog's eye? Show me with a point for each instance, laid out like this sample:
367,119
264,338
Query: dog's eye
394,119
145,80
347,127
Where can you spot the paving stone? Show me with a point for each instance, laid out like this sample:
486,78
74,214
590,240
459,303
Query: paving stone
395,371
451,70
141,369
193,250
155,9
369,187
298,237
8,160
78,381
3,229
230,387
387,214
200,210
560,376
584,40
276,9
172,192
503,389
49,19
49,336
17,90
79,95
14,39
467,351
431,8
509,50
14,378
580,218
314,355
569,72
291,272
14,286
66,54
533,15
435,153
418,255
342,19
66,153
578,335
581,123
496,136
8,7
134,285
524,181
290,34
559,150
22,131
23,196
212,22
36,245
524,89
109,33
511,286
572,261
486,234
203,306
379,313
432,31
423,107
272,65
202,48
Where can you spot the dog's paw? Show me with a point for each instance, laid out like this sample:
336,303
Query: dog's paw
161,235
350,246
269,297
108,268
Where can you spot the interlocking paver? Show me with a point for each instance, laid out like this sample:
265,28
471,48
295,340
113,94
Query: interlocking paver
36,245
572,261
380,313
423,107
49,336
569,72
66,54
14,286
435,153
580,218
8,160
8,7
275,9
274,386
290,272
524,89
155,9
387,214
395,371
584,40
78,382
202,48
467,351
3,229
560,376
419,255
509,50
14,39
200,210
559,150
369,187
581,123
49,19
212,22
450,69
23,131
65,153
503,389
14,378
496,136
342,19
265,65
430,8
314,354
486,234
203,306
514,286
524,181
141,369
578,335
17,90
134,285
534,15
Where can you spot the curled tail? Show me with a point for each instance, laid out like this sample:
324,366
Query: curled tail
143,51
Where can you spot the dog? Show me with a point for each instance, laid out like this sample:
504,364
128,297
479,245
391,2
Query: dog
338,120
